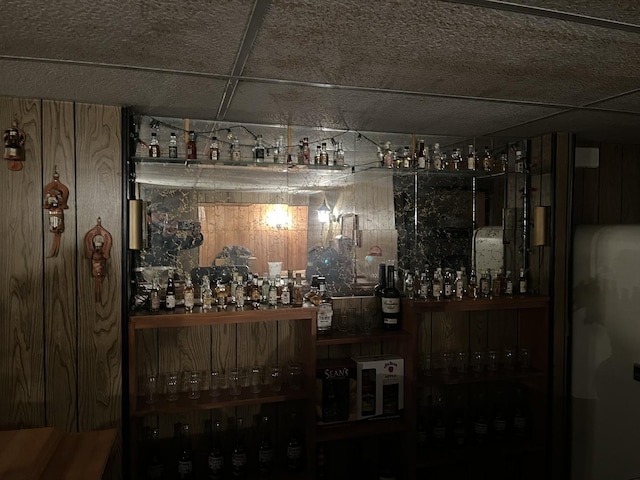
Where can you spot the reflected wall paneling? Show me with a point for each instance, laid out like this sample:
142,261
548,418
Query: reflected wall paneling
630,213
58,150
22,398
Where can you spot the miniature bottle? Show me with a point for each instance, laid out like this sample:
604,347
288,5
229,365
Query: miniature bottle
192,148
235,150
154,146
259,150
173,146
214,150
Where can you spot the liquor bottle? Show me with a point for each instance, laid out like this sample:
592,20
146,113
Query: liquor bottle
497,284
487,160
154,469
438,163
485,284
264,288
173,146
425,286
498,420
285,296
240,292
294,446
520,422
185,459
154,295
417,286
279,152
272,295
465,280
406,157
409,287
221,294
189,296
192,148
472,287
316,157
258,150
508,285
439,432
306,152
338,158
480,424
207,294
436,287
459,286
298,291
456,159
325,309
214,150
170,297
471,158
239,454
322,463
504,162
519,162
154,146
324,155
459,429
215,460
265,450
235,150
447,286
382,280
391,314
422,158
522,283
388,155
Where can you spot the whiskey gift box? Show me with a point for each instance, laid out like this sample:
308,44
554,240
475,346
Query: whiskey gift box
336,385
379,386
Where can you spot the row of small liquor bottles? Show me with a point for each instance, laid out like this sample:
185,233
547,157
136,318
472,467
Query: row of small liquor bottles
420,157
222,454
457,419
448,284
256,292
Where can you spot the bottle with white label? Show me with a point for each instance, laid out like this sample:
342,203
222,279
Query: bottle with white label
508,285
391,315
522,282
189,294
459,286
215,461
325,309
170,297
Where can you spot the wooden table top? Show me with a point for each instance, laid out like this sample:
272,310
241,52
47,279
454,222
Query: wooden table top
47,453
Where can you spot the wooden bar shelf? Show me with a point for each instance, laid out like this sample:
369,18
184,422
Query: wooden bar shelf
517,302
500,376
338,338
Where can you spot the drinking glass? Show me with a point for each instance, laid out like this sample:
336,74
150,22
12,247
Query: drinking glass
446,363
195,379
425,365
151,388
461,362
508,359
295,376
352,321
173,386
235,381
255,379
275,378
492,361
343,322
477,363
366,321
214,383
525,358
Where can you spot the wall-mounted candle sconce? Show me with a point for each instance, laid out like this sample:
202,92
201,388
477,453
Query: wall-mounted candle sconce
324,212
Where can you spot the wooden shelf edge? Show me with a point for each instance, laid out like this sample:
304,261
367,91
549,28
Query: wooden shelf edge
338,338
439,379
519,302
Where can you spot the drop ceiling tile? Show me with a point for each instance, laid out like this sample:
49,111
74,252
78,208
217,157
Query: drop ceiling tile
588,126
616,10
151,92
442,47
198,35
373,111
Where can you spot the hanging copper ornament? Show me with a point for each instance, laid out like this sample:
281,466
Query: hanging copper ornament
97,248
55,196
14,139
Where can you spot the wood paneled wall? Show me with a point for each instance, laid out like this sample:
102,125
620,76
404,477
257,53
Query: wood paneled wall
61,354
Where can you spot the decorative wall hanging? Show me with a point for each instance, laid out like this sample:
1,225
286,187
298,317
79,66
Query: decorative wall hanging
14,139
55,196
97,247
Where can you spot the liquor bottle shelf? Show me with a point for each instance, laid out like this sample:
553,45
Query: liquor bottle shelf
339,338
440,378
206,163
205,402
362,428
180,318
517,302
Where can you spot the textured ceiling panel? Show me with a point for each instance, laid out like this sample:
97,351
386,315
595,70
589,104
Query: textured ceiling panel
159,94
626,103
617,10
441,47
198,35
588,126
346,109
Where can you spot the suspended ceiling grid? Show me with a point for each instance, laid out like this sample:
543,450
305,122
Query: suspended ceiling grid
468,67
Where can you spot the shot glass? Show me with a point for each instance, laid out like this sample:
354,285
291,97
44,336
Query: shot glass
173,386
195,381
295,376
215,380
151,388
235,381
477,363
255,379
275,378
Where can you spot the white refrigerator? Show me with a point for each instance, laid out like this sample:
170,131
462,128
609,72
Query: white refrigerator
605,344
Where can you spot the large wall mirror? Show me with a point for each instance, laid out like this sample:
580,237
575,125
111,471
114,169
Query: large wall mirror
339,220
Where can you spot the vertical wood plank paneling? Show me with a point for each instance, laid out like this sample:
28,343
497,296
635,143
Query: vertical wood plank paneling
58,148
630,213
98,180
21,310
609,207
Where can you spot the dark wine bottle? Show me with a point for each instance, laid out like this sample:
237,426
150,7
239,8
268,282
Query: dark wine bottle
391,315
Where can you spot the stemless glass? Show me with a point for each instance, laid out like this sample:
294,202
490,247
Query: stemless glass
195,379
275,378
295,376
477,363
255,379
151,388
173,386
235,381
214,383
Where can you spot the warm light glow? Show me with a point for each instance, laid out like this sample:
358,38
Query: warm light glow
278,217
324,212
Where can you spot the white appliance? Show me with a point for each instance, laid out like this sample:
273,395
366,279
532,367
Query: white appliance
605,430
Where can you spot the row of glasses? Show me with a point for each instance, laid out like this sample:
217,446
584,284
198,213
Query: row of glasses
479,362
352,323
234,380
